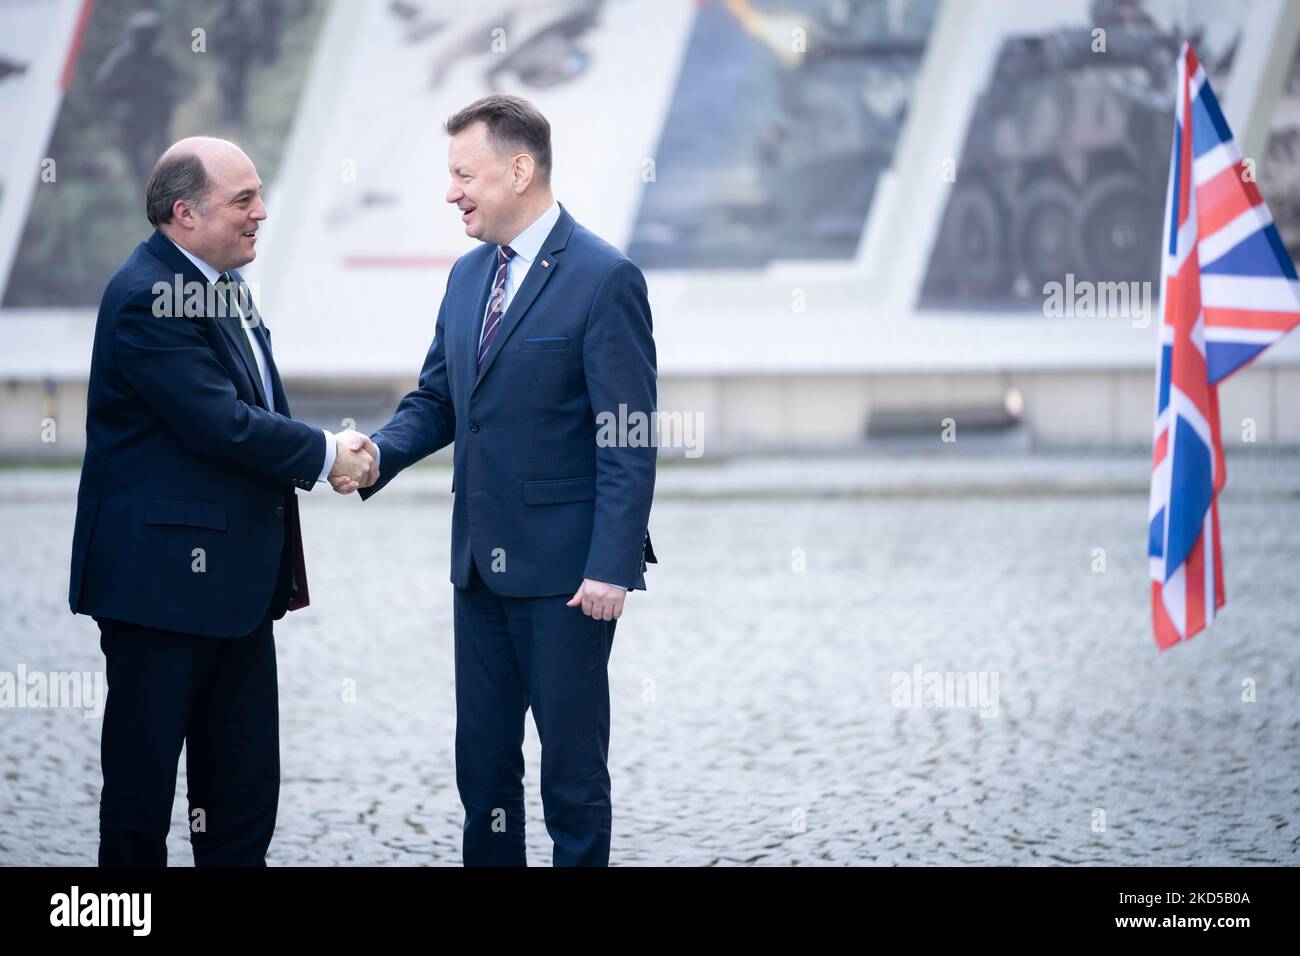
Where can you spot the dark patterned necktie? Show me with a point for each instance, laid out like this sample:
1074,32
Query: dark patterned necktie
496,304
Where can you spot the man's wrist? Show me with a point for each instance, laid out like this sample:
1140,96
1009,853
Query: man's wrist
331,453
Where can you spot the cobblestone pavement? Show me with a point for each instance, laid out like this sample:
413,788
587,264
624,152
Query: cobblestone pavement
755,688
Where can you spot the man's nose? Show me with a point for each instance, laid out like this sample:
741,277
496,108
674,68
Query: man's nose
454,192
259,211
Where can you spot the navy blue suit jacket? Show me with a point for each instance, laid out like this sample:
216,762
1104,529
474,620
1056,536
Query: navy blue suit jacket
539,503
181,456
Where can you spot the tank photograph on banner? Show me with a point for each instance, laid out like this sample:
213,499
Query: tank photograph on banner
1280,182
1064,165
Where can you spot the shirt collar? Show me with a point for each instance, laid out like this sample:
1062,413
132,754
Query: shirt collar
529,242
209,273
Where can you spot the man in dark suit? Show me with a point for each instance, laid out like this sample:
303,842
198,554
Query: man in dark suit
187,543
544,333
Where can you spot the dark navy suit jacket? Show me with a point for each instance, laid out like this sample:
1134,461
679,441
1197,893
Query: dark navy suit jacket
539,503
181,456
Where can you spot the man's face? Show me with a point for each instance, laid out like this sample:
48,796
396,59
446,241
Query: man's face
225,233
481,186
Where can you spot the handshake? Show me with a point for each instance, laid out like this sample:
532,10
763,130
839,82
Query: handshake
356,465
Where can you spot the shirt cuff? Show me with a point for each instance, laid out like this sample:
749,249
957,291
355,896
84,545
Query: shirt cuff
619,586
331,452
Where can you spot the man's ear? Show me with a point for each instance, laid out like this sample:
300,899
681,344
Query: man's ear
522,170
183,214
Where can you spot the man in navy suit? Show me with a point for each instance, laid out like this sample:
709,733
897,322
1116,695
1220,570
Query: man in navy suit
187,544
544,333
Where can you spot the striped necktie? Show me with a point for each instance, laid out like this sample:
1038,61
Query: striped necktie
496,303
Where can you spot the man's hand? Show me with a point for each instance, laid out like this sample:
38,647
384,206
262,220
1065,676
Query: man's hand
358,442
601,601
354,466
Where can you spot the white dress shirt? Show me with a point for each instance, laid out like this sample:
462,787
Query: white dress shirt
212,275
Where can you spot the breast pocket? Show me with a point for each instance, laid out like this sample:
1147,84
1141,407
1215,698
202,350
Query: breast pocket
545,342
560,491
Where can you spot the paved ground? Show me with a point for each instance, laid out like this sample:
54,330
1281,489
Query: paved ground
755,716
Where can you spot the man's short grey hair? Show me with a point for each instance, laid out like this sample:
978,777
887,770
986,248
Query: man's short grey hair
179,178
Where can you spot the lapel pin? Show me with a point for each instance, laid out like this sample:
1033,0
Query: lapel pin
545,264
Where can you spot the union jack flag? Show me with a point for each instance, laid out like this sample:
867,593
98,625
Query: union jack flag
1229,292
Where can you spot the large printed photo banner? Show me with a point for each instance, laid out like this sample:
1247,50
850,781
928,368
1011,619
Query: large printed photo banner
376,186
360,231
784,115
1279,178
39,40
141,76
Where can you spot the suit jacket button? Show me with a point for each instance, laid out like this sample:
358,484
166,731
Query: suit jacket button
279,511
473,426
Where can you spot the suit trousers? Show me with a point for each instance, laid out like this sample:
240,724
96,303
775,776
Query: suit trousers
513,654
219,697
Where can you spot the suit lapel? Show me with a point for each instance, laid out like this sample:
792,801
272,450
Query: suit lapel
544,266
227,327
165,250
